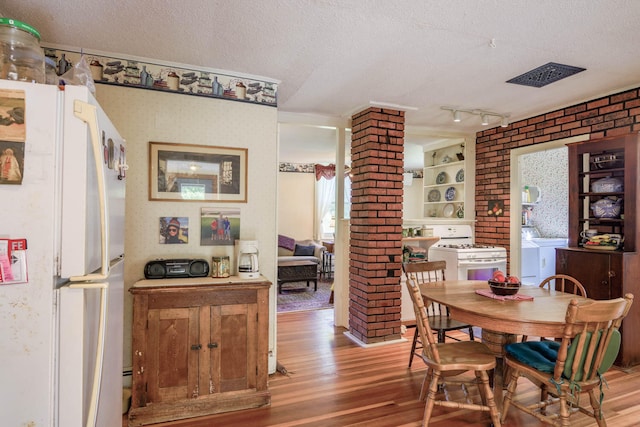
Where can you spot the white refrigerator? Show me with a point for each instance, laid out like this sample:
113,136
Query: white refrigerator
61,332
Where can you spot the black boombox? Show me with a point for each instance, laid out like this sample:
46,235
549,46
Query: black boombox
170,268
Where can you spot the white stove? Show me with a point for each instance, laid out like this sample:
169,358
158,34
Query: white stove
466,260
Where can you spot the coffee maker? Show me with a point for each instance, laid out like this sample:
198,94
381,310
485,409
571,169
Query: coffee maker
247,256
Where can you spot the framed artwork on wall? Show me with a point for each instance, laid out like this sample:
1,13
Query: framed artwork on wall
185,172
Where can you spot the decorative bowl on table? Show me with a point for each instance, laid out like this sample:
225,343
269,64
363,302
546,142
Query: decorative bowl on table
504,288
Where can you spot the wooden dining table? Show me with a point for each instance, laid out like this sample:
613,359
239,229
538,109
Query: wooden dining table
502,320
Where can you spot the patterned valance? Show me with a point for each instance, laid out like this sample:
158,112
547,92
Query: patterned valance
122,71
326,172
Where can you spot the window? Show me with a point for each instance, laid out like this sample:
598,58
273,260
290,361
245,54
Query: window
326,206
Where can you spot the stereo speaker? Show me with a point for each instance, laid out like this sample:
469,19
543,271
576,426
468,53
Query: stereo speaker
176,268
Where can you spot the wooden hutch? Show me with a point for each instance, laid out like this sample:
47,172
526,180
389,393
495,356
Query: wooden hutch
606,272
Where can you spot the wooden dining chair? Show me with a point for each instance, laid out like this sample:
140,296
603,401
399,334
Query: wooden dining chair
445,360
438,315
562,283
589,346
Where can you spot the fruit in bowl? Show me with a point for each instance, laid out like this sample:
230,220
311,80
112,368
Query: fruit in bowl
501,284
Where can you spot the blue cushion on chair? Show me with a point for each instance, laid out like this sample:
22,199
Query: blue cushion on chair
540,355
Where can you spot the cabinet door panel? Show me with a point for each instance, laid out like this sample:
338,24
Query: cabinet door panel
233,353
590,268
171,360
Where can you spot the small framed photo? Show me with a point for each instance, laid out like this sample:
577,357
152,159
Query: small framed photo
13,125
11,162
197,173
219,227
174,229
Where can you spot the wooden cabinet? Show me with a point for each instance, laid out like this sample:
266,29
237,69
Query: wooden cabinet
200,346
444,182
605,273
601,273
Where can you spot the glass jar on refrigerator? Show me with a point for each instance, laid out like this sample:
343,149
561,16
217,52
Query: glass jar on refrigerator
21,57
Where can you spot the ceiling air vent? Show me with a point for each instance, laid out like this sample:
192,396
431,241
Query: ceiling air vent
545,74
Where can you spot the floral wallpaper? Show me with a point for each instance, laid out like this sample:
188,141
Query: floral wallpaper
548,170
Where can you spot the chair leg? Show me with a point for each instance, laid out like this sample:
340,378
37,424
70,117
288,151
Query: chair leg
441,335
506,401
413,346
564,410
425,383
471,337
544,395
431,397
595,405
491,401
483,393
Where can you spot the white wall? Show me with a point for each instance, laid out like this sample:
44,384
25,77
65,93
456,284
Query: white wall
146,115
296,204
412,200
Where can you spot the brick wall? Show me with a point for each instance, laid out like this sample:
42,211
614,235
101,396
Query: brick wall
377,160
610,115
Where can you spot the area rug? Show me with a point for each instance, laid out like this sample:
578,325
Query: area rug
296,296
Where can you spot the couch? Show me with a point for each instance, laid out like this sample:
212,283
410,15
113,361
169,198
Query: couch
290,249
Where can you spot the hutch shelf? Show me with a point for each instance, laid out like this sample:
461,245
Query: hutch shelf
444,182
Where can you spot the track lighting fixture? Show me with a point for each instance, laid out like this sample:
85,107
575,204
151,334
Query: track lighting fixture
484,115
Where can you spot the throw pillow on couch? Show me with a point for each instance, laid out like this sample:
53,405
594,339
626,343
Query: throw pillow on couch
301,250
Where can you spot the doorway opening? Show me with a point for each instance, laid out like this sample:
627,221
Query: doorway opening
543,166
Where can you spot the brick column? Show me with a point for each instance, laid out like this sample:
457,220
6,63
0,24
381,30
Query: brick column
377,161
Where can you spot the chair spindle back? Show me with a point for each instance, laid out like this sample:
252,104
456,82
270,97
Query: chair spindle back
430,348
599,319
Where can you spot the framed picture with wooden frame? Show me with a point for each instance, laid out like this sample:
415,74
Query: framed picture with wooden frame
185,172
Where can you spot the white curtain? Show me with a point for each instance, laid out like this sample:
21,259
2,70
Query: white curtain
325,212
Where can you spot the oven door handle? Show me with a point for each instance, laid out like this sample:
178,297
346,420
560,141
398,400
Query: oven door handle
481,262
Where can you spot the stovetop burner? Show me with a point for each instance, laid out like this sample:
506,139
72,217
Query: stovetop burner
467,246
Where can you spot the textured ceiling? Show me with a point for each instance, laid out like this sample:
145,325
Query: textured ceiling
334,57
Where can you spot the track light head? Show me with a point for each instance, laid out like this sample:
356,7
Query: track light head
484,115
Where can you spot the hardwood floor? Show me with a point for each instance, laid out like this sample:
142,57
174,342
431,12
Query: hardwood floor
333,382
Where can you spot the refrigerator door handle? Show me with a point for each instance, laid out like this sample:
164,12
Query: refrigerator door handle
88,114
92,414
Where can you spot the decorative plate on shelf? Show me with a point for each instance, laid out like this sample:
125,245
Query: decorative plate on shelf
441,178
448,210
460,176
434,196
450,194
